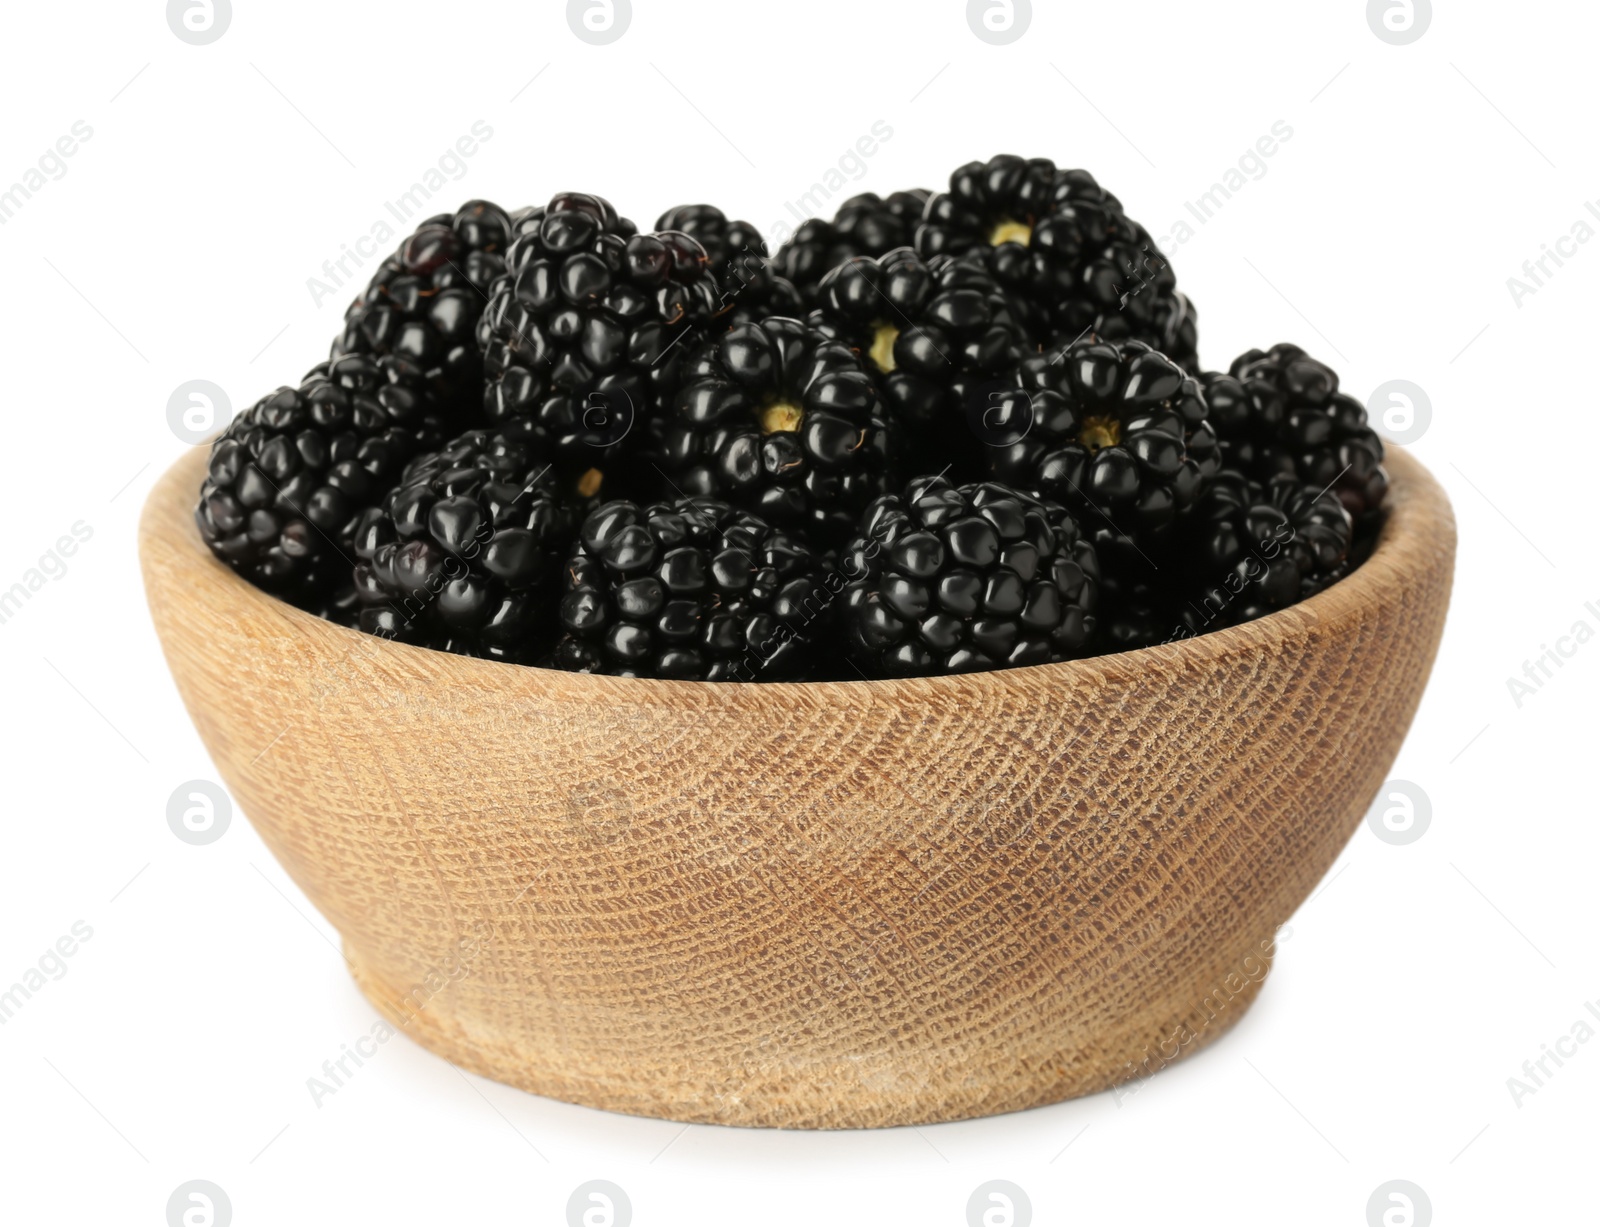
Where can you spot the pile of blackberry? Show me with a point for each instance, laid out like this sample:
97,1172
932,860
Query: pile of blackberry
936,433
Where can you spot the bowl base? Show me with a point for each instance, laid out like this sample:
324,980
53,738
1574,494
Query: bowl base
865,1090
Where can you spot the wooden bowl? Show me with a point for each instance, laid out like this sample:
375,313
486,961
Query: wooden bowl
815,905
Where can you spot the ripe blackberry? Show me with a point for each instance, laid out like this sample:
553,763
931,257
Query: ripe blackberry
1288,417
290,476
749,287
1118,433
465,552
935,334
1062,245
581,334
692,589
1250,548
424,302
865,225
947,579
781,419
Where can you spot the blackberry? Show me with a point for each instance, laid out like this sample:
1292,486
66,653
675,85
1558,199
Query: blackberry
1287,416
1116,432
936,334
290,476
1062,245
692,589
1251,548
947,579
749,287
424,302
780,419
865,225
465,552
581,334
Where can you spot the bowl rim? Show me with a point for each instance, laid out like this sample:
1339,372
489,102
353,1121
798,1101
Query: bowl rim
1418,525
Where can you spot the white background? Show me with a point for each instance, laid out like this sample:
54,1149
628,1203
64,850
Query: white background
178,245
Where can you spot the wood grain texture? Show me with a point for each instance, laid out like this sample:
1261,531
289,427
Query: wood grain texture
809,905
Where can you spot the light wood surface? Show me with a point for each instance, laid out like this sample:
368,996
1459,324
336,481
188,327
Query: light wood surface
808,905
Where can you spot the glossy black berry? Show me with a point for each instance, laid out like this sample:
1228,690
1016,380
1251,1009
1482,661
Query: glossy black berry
291,475
465,552
425,300
1250,548
951,579
865,225
1118,433
749,287
936,335
581,336
1284,414
780,419
694,590
1063,247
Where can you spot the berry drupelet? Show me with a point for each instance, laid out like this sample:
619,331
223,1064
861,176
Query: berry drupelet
947,579
1063,247
935,335
465,552
1242,417
424,302
694,590
290,476
1296,422
865,225
1250,548
581,334
748,285
781,419
1118,433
